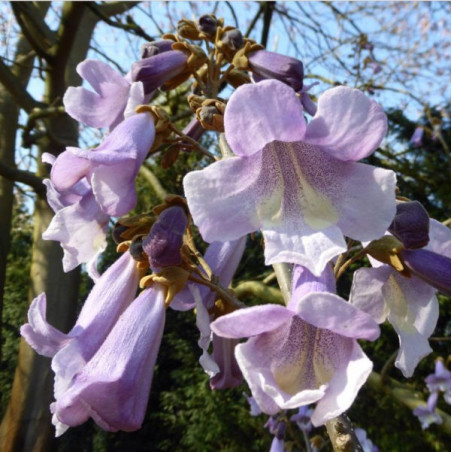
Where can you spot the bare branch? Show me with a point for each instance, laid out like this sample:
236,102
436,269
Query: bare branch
25,177
130,27
33,27
269,7
255,19
16,89
67,31
113,8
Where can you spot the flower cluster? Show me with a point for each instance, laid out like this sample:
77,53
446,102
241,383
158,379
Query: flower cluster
289,172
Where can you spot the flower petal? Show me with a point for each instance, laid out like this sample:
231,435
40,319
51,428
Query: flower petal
94,110
343,387
251,321
366,204
257,114
306,247
105,107
439,238
222,198
413,314
40,335
110,296
100,75
367,291
81,229
413,347
114,187
348,125
132,139
330,312
68,169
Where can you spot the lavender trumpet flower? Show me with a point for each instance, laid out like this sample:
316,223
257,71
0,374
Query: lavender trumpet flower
409,304
113,97
113,387
304,353
298,183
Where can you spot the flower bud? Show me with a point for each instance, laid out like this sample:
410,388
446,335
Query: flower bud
194,130
153,48
136,249
431,267
208,24
233,39
158,69
280,67
210,115
164,242
187,29
411,225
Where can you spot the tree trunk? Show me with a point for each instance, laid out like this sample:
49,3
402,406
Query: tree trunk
9,117
26,425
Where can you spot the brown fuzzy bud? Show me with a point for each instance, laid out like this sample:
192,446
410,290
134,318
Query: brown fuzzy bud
211,115
187,29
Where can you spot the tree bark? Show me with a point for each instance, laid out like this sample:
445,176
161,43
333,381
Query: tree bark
26,425
9,117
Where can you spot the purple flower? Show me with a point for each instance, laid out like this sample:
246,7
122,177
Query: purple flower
271,65
409,304
113,387
229,374
440,380
277,445
79,224
304,353
158,69
427,414
416,139
299,184
366,443
86,187
303,418
111,168
110,296
112,293
113,95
